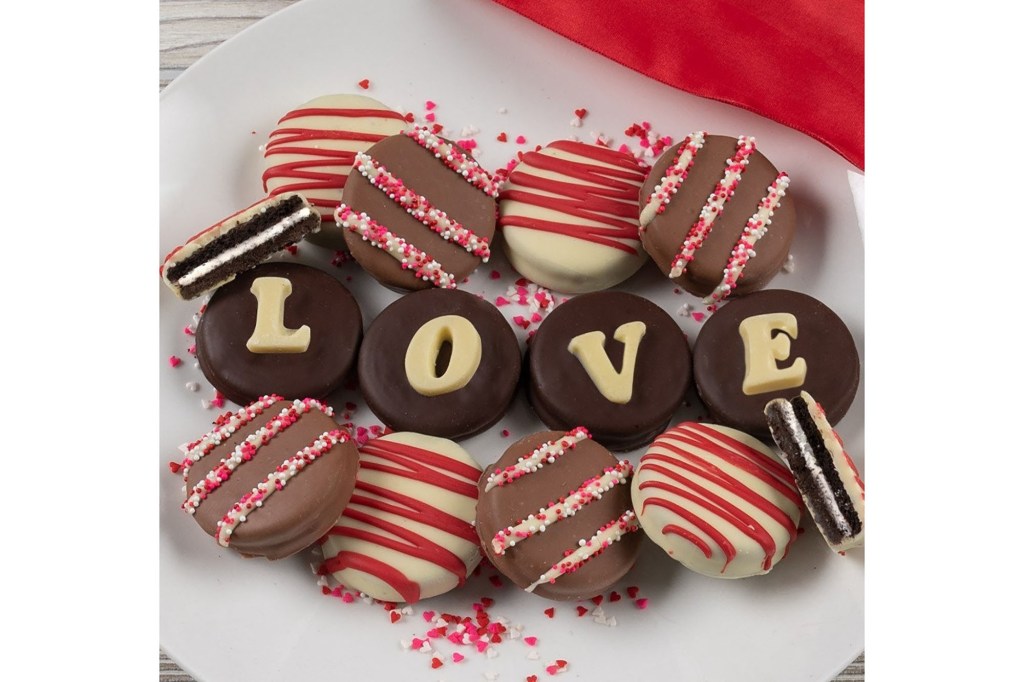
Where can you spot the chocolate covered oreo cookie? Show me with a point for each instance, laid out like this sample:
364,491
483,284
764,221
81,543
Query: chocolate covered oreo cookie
554,515
612,361
279,328
715,216
774,344
442,363
418,212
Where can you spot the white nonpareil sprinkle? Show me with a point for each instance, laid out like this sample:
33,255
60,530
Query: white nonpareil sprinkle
789,265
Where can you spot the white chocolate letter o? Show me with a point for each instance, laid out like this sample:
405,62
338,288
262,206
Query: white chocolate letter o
421,355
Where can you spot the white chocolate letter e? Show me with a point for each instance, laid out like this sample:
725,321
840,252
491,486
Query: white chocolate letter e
762,352
589,349
270,334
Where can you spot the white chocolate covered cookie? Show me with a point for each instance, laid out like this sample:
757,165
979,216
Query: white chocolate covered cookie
570,217
407,531
717,500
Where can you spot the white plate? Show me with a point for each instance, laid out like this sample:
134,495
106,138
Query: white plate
226,618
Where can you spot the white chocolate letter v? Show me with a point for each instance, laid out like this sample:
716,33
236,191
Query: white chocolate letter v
270,334
589,349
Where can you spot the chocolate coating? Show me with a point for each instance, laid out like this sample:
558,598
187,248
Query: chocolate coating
459,413
509,504
446,190
564,396
317,300
666,232
823,341
296,516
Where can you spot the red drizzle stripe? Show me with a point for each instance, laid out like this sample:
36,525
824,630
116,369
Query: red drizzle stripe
413,461
727,547
334,164
683,533
607,192
409,590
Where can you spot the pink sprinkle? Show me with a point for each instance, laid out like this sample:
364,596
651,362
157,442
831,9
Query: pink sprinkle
495,274
417,642
501,300
433,633
530,641
536,317
189,331
192,349
428,105
468,144
624,149
646,125
175,361
552,669
496,581
481,645
428,616
430,117
641,603
218,401
504,433
347,597
520,139
697,317
644,143
457,657
666,141
521,321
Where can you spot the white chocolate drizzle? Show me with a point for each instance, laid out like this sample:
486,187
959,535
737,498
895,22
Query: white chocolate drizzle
248,448
456,160
673,178
276,480
605,536
756,227
410,257
548,452
723,191
420,208
227,425
592,489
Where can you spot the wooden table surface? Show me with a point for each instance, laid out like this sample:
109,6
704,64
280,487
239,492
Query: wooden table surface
188,30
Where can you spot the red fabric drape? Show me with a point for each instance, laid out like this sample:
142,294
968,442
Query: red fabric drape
799,62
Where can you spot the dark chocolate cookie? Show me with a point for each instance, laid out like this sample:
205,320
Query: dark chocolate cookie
442,363
244,360
774,344
612,361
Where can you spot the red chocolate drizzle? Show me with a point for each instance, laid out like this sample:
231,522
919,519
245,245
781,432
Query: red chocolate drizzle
747,459
415,464
609,192
282,139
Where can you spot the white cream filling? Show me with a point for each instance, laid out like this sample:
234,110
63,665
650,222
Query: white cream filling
818,476
252,242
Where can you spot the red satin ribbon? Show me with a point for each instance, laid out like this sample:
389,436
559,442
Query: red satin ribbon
800,62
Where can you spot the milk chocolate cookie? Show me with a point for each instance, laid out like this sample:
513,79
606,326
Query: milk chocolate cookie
418,212
554,515
407,532
279,328
312,149
772,344
569,217
709,206
612,361
272,478
444,363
